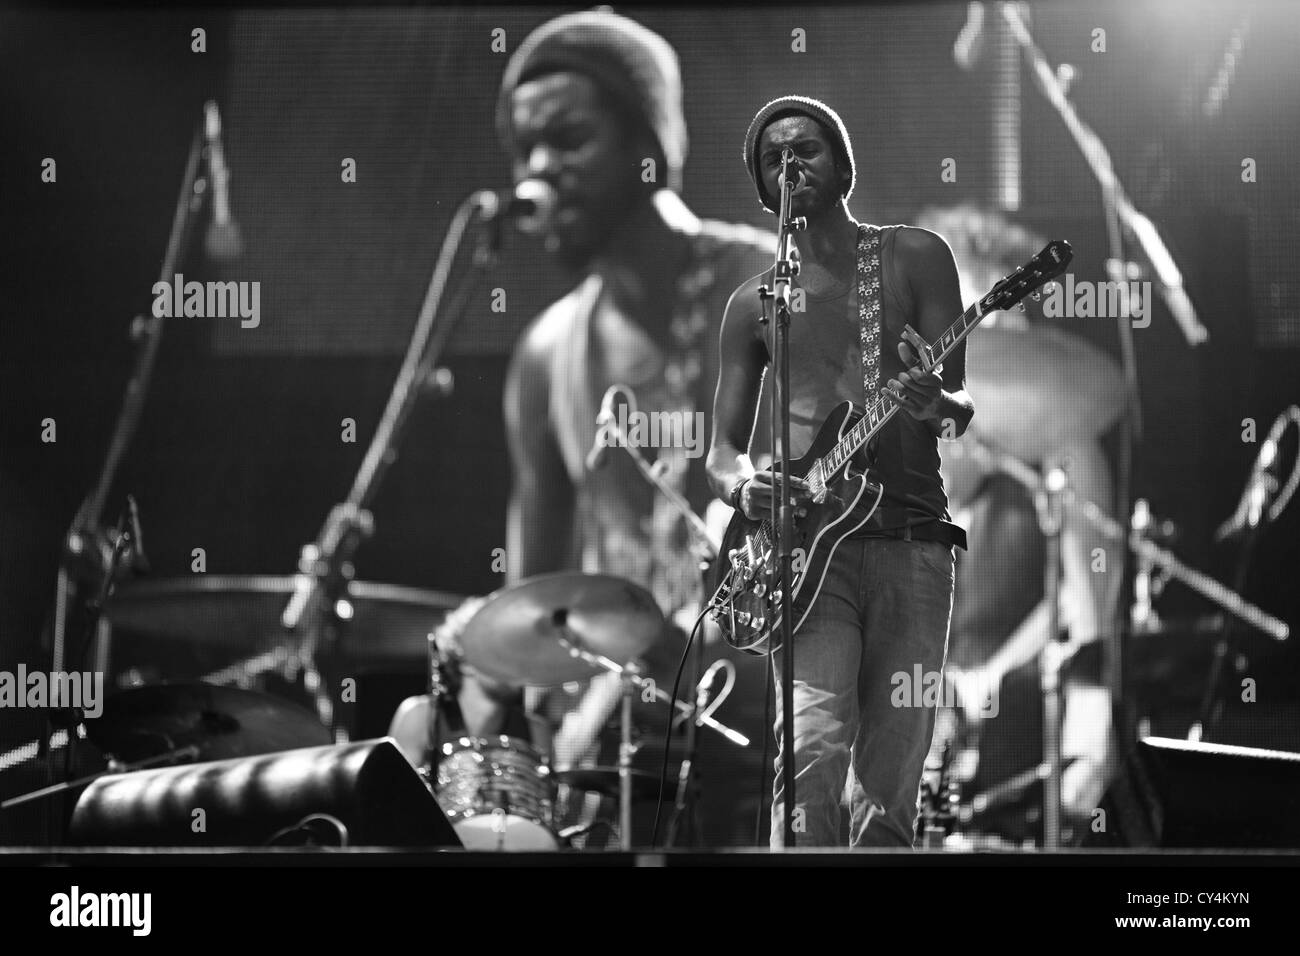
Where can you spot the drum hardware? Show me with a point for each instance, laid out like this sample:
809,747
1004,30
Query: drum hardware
170,723
606,781
189,752
705,544
555,628
1156,564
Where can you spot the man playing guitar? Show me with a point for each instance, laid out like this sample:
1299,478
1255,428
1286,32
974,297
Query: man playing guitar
884,606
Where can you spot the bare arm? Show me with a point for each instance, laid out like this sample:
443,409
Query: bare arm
939,400
735,402
539,520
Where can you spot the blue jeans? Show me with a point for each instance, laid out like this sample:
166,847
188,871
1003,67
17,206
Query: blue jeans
882,612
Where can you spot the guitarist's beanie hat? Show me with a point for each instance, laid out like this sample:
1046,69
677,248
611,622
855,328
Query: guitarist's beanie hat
632,63
798,106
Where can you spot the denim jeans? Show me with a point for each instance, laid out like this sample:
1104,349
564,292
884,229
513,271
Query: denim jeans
860,731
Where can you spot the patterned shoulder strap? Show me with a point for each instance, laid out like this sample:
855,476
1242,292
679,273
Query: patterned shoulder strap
869,307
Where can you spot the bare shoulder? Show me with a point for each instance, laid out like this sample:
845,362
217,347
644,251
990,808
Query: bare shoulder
545,334
920,245
744,308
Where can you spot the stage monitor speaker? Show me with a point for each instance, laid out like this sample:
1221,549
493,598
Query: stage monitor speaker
1180,794
358,794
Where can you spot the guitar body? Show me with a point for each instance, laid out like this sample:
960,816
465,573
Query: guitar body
743,605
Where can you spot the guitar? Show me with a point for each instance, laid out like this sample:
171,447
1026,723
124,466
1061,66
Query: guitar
746,603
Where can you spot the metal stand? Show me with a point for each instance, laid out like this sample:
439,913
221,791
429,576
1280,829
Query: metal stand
632,681
190,752
1119,214
1053,656
325,566
87,559
706,547
625,752
776,303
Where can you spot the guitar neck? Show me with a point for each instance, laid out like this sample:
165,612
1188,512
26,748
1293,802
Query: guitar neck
883,409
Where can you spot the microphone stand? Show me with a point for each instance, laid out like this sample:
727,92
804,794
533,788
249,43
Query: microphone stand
87,563
1211,706
1119,211
776,304
707,547
316,609
1053,656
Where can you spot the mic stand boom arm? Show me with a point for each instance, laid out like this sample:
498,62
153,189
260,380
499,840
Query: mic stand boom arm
87,557
325,566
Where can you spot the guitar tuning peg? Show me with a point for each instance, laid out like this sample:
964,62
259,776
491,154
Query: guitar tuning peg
1020,306
1036,295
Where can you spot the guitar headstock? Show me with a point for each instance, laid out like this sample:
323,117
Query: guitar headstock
1041,269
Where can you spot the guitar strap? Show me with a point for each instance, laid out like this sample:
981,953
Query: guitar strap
899,521
869,307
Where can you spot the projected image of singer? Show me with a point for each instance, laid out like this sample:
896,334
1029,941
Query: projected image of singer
884,606
591,105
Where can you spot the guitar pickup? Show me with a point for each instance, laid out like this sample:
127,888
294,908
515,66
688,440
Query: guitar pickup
919,346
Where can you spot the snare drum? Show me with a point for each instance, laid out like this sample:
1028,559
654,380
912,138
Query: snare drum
498,794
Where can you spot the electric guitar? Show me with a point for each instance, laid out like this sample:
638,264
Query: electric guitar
746,603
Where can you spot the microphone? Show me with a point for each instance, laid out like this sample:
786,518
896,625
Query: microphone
529,205
223,241
1262,484
968,48
599,448
139,562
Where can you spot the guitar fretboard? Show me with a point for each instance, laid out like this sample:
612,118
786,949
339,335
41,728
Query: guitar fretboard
885,405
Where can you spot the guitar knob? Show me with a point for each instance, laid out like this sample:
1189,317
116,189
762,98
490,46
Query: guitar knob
742,617
759,623
760,589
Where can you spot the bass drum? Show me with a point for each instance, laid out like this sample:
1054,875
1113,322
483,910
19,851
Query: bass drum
498,794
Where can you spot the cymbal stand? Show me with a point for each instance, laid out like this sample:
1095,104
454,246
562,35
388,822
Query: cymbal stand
705,545
633,681
1049,506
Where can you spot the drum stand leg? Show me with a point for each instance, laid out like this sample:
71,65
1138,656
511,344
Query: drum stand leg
625,765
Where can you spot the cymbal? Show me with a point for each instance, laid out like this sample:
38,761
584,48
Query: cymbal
242,613
515,636
1037,389
222,722
604,780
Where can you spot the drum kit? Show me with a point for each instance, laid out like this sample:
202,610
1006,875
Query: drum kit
545,631
499,792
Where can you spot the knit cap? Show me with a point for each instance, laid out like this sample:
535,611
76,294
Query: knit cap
797,106
632,63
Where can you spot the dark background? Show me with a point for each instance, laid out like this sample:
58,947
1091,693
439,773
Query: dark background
239,450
